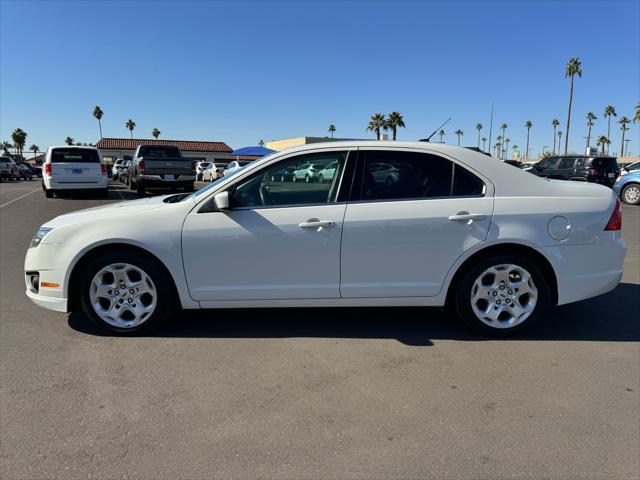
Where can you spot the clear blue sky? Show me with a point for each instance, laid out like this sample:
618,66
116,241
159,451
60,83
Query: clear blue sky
240,72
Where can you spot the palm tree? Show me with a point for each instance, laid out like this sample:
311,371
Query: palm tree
499,140
484,143
555,122
603,140
395,121
376,123
478,127
559,140
261,143
34,148
528,126
19,138
156,133
459,133
130,125
441,133
97,112
496,148
624,121
636,117
503,127
332,129
506,146
609,111
6,146
573,68
590,118
69,141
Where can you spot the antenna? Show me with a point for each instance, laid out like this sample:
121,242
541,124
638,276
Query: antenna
435,131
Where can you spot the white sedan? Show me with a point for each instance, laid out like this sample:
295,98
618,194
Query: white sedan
456,227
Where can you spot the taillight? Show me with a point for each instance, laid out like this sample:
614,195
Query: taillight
141,166
103,169
594,172
615,221
47,169
193,167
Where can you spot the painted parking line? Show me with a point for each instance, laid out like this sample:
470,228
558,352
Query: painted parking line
6,204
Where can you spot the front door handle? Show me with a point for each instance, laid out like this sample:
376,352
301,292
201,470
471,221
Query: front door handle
467,217
317,224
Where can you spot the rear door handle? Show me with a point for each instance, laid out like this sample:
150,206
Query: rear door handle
467,217
317,224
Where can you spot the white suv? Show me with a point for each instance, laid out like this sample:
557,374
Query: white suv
73,168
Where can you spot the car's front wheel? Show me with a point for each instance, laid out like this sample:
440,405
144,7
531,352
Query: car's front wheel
631,194
125,293
500,295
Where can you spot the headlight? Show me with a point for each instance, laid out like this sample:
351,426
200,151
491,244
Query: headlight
37,238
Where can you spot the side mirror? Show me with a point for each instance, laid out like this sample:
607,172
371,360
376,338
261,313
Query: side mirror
221,200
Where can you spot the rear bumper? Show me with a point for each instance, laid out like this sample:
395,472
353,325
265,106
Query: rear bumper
161,181
53,185
585,271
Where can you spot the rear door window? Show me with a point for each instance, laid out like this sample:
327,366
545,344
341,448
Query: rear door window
74,155
566,163
606,163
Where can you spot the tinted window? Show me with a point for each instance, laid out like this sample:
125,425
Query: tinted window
605,162
466,183
269,187
74,155
566,163
159,151
548,162
396,175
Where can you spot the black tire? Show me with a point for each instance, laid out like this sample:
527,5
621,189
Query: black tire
165,294
625,192
460,299
139,188
104,192
48,193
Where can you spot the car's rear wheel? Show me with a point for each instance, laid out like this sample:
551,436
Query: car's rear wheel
125,293
48,193
139,188
500,295
631,194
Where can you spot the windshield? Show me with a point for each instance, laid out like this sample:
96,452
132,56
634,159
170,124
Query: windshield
159,151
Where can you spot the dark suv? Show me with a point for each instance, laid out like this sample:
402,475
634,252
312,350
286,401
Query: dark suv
603,170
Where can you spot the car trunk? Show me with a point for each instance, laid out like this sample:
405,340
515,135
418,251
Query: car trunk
605,169
75,165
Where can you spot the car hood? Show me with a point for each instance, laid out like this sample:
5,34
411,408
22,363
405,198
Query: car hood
130,207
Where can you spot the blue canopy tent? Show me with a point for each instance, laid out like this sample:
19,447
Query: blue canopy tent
252,152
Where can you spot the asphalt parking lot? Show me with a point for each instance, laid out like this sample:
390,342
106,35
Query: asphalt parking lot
319,393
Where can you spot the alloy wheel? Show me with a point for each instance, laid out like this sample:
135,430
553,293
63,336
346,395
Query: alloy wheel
123,295
503,296
632,194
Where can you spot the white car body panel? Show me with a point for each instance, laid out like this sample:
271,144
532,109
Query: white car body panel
260,257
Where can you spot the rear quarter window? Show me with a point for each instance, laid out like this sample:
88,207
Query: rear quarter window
609,163
74,155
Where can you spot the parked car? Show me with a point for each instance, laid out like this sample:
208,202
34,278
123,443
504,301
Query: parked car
603,170
234,166
117,168
515,163
200,169
458,228
124,172
632,167
283,175
8,169
627,187
35,171
307,172
73,168
328,172
213,172
24,171
161,166
384,173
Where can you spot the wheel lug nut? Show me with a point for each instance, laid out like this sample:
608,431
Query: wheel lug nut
510,292
116,293
131,290
498,302
129,300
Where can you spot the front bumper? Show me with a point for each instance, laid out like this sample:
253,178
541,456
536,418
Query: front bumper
46,260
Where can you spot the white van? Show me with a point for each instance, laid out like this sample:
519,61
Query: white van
74,168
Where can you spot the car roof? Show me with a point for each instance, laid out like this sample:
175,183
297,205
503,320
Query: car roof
74,146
